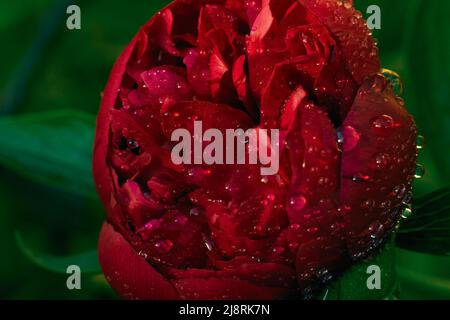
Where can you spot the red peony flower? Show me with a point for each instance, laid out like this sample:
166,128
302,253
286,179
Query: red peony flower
309,68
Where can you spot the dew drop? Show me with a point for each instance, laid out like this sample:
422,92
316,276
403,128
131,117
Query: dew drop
278,250
420,142
164,245
420,171
181,220
297,203
407,199
359,178
208,242
399,191
394,80
382,160
195,212
379,83
347,4
340,139
407,212
369,203
143,254
132,144
351,138
312,230
376,232
382,125
324,275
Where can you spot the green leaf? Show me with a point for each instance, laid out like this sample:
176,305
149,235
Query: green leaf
12,12
53,148
428,229
352,285
428,76
88,261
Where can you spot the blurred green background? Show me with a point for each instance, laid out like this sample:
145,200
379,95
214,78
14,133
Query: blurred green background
46,191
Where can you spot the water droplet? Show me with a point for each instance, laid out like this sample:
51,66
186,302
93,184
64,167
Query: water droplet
295,226
164,245
195,212
132,144
382,160
407,212
340,139
359,178
351,138
407,199
376,231
385,204
347,4
420,171
297,203
312,230
270,197
382,125
394,80
208,242
399,191
379,83
181,220
420,142
143,254
369,203
151,225
324,275
278,250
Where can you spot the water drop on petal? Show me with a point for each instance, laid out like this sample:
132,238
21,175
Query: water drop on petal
421,142
407,212
394,80
351,138
382,125
297,203
164,245
420,171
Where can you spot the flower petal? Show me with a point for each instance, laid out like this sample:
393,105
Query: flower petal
127,272
353,35
378,164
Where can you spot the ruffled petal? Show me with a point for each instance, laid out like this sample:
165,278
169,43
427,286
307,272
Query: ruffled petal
352,33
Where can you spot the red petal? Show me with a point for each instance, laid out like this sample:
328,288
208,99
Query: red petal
127,272
183,114
285,79
101,170
352,33
319,260
160,83
378,163
242,86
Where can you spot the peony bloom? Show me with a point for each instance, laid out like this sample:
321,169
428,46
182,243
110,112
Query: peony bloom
309,68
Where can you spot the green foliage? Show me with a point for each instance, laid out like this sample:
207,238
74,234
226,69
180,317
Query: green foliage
88,261
53,148
353,284
428,229
428,77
